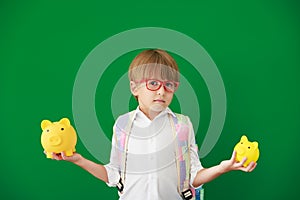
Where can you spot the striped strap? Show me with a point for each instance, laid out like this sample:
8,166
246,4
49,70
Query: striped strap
181,132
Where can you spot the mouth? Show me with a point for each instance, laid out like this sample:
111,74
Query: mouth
159,101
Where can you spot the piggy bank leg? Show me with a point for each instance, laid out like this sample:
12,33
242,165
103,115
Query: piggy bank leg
69,152
49,155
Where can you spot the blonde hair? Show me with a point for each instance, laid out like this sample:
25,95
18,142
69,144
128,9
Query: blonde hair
153,63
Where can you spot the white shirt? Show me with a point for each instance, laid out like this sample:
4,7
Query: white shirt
151,172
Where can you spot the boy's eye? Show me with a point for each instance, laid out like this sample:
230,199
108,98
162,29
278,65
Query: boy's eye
170,85
153,83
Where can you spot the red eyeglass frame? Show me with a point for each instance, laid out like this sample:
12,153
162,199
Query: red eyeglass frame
161,83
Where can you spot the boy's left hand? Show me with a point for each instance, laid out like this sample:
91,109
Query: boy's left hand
232,164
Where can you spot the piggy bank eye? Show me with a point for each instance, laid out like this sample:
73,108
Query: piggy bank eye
47,130
248,147
62,129
241,142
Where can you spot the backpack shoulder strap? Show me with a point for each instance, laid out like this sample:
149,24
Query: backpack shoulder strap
122,131
181,131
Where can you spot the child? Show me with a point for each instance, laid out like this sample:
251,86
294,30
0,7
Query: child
154,154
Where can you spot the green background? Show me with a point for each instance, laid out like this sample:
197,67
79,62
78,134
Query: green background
255,44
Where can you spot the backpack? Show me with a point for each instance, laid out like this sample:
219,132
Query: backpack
180,129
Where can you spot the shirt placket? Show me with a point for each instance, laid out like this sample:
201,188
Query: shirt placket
153,175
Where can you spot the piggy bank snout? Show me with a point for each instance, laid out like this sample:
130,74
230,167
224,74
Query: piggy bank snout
240,150
55,140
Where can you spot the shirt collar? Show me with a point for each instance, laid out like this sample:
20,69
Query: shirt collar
169,111
141,114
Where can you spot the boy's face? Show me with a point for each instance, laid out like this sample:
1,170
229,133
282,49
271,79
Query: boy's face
151,103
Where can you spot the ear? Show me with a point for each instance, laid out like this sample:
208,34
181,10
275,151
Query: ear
45,123
244,138
255,145
65,121
133,88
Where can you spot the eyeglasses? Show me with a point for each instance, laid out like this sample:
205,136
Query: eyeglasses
154,85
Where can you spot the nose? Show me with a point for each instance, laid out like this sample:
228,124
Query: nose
55,140
161,90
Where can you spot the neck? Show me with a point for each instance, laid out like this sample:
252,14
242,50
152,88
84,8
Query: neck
150,113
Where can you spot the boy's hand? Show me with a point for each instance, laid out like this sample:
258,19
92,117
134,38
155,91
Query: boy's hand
74,158
232,164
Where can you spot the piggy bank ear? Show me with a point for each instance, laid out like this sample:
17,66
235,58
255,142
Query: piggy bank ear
244,138
65,121
45,123
255,145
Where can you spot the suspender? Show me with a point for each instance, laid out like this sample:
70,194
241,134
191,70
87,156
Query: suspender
182,148
181,131
122,132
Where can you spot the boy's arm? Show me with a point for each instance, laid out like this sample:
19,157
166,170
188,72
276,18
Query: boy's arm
93,168
208,174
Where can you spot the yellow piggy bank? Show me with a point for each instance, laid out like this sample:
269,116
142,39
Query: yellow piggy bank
246,149
58,137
